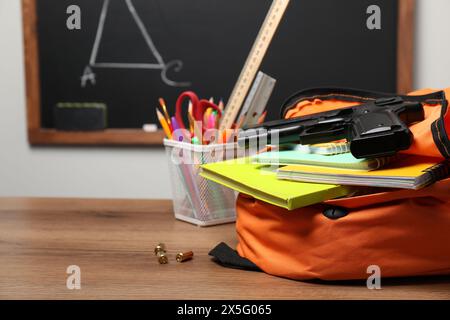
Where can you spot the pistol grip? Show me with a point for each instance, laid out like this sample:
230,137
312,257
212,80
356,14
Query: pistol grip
379,134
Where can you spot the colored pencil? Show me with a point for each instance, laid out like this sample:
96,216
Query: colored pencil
164,124
206,117
221,105
166,114
262,117
241,121
191,123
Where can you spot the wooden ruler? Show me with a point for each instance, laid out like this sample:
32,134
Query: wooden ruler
253,62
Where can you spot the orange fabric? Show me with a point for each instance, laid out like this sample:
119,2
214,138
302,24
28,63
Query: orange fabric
423,140
405,233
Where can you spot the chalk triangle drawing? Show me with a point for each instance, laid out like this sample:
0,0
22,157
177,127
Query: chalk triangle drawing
159,63
122,39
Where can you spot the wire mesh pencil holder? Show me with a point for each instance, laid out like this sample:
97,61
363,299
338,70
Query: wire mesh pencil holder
196,199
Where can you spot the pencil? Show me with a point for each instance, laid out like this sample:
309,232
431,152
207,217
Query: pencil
191,122
262,117
225,135
164,124
241,121
166,114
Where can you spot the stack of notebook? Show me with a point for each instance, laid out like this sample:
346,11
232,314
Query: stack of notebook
260,181
406,172
302,176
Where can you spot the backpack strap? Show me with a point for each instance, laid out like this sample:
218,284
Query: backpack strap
229,258
440,136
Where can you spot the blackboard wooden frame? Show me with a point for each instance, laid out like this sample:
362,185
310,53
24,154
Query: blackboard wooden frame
42,136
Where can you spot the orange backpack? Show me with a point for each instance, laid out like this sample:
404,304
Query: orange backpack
403,232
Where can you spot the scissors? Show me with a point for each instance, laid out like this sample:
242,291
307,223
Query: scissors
199,107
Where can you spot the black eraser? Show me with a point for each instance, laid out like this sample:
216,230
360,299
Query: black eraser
80,116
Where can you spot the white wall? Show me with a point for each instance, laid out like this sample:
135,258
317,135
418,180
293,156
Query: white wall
130,173
432,46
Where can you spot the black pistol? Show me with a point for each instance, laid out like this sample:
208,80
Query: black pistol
375,129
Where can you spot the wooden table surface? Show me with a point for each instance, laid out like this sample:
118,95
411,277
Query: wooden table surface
112,242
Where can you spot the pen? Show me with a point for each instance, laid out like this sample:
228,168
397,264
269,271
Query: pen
198,131
195,140
178,134
175,127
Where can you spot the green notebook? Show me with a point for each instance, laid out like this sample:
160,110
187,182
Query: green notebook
260,181
344,160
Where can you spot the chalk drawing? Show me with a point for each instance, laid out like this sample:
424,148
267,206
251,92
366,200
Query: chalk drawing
88,75
175,65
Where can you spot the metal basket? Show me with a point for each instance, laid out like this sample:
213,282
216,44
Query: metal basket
196,199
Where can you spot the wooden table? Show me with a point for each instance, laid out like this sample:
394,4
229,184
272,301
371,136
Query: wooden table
112,242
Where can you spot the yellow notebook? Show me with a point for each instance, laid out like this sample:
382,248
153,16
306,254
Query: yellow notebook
407,172
260,182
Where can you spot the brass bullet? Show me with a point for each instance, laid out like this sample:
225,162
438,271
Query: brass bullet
162,258
184,256
161,247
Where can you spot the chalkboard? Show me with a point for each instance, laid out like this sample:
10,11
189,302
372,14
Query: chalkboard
128,53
